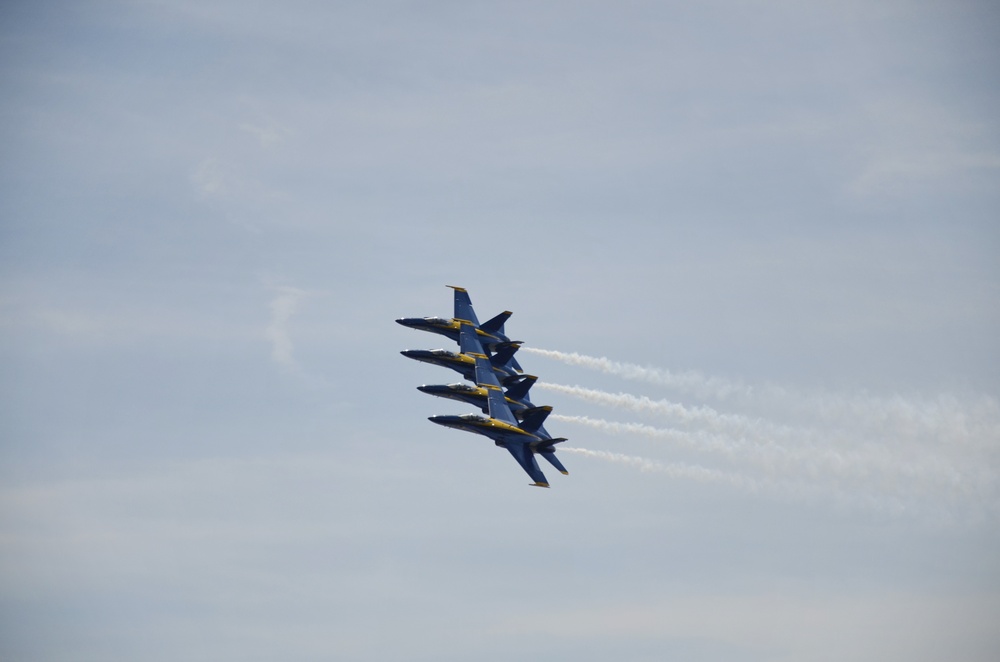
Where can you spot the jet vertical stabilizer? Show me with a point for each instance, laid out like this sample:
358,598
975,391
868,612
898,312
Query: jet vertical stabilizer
518,388
532,419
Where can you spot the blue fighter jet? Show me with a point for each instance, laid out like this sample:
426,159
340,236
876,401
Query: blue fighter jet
464,363
523,439
516,394
491,333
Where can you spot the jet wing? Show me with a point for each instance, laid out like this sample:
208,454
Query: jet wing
463,307
495,401
526,459
468,341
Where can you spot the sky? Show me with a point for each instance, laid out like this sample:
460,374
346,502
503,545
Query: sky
750,248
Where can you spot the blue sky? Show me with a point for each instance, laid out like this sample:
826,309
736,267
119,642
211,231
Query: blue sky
776,221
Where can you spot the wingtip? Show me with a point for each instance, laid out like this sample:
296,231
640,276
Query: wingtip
456,288
539,484
564,473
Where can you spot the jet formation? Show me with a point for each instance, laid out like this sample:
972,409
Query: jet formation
500,390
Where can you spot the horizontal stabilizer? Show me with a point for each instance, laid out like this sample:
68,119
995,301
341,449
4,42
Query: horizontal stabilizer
547,445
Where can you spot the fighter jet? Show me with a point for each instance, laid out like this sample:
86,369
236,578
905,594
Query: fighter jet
491,333
523,440
516,394
465,364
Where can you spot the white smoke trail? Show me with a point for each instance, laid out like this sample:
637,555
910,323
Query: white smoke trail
794,489
944,419
780,445
706,416
868,498
889,453
691,382
672,469
883,479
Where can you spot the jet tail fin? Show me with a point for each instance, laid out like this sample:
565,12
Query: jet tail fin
532,419
518,390
505,353
495,324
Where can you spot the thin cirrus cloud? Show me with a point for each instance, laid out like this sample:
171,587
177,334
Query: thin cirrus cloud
283,307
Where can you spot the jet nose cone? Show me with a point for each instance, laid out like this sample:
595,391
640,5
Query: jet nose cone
425,389
411,353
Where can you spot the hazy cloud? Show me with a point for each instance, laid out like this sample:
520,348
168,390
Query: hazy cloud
283,306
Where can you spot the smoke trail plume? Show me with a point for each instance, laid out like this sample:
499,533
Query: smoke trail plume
672,469
944,418
691,382
841,467
893,454
706,416
798,489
